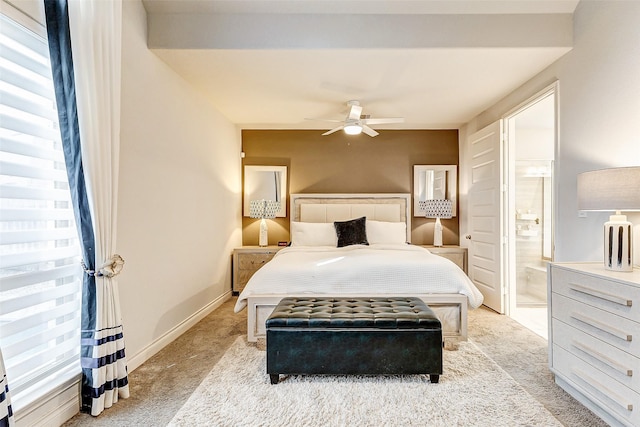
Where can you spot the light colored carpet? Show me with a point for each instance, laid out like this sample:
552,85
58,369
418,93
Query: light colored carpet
473,390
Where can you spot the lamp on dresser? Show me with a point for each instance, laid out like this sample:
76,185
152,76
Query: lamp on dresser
615,189
263,209
436,208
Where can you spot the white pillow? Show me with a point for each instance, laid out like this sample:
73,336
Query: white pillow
313,234
386,232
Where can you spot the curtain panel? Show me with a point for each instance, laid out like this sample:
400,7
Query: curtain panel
86,63
6,412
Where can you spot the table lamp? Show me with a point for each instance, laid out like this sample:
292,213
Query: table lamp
263,209
616,189
436,208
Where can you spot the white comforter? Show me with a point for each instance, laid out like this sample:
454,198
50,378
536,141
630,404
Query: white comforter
368,270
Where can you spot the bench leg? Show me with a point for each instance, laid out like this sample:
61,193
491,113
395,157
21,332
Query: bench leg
434,378
274,378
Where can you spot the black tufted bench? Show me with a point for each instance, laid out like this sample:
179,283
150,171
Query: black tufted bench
397,335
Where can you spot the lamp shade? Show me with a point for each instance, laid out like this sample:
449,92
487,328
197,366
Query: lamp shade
263,208
436,208
616,189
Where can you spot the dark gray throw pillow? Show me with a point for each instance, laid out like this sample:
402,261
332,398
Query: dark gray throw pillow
352,232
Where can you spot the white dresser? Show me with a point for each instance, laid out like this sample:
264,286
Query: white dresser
594,338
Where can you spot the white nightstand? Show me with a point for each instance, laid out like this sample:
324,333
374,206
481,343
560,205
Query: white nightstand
454,253
247,260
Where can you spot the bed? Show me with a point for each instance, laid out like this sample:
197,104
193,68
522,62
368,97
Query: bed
327,260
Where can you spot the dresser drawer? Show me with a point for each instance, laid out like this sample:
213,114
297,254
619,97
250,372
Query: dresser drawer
609,295
250,261
619,365
621,402
610,328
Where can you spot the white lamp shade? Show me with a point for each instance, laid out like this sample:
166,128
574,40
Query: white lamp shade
436,208
616,189
263,208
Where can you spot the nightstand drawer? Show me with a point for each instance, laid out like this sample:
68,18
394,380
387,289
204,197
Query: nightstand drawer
619,365
248,261
615,330
453,253
242,278
609,295
622,402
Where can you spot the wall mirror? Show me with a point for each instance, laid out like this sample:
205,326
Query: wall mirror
265,182
434,182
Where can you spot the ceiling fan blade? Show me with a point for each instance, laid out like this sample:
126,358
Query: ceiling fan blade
383,121
354,112
324,120
366,129
332,130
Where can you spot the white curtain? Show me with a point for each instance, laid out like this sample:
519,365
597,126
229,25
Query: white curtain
96,40
6,413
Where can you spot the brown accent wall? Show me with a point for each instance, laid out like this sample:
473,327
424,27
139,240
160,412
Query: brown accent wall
339,163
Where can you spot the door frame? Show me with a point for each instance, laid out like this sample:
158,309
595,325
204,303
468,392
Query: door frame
508,174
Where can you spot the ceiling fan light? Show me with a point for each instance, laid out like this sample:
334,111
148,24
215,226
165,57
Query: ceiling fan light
353,129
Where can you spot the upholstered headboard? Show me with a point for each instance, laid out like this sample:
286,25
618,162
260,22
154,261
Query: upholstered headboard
340,207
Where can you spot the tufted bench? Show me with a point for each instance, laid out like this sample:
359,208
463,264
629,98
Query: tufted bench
397,335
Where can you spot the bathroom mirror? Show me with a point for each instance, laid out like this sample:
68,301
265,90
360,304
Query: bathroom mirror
265,182
434,182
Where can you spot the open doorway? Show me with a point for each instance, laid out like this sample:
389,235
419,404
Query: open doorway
531,141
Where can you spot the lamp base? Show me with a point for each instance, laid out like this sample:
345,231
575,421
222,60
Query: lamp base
618,244
437,233
264,239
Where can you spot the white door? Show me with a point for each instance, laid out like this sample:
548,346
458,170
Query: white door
485,215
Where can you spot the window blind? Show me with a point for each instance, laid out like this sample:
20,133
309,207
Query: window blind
40,274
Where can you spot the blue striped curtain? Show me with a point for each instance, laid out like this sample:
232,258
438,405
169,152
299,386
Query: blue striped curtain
6,412
102,376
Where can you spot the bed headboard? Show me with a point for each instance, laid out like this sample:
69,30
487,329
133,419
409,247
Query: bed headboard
344,206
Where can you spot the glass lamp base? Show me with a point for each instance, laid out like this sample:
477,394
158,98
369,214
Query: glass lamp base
264,239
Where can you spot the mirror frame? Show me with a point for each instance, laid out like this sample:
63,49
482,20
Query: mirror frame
452,185
283,187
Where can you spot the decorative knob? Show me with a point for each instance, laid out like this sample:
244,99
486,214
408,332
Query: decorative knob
468,237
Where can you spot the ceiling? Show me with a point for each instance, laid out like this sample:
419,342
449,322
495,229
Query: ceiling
437,63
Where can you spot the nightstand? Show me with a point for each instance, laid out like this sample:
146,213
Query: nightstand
247,260
455,253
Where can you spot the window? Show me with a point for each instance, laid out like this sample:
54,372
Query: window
40,274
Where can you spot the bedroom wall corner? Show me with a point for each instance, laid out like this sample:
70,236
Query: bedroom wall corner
179,198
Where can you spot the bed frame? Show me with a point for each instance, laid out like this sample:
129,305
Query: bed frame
451,309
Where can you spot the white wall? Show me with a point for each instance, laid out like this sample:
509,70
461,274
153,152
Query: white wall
179,197
599,115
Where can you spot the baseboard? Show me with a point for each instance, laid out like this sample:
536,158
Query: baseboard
53,409
147,352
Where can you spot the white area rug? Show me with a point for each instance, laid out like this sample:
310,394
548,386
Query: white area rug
473,391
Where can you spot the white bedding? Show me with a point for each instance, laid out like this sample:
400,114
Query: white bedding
377,269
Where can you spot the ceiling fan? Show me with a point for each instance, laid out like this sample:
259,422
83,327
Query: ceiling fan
356,123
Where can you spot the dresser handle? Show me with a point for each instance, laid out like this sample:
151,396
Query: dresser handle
602,327
602,295
603,358
602,389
